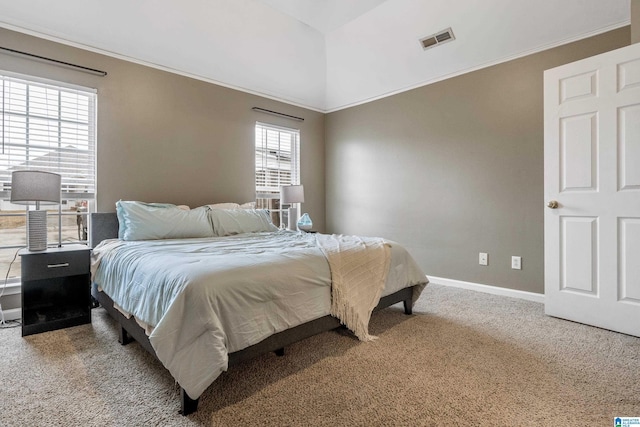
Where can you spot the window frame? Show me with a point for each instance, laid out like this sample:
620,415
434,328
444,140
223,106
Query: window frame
85,201
268,197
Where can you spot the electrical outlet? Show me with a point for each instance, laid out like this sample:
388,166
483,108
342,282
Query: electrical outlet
483,258
516,263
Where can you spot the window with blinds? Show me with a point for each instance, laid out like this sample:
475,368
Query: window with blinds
277,164
46,126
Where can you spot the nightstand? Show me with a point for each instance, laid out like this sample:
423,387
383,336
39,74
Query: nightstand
56,288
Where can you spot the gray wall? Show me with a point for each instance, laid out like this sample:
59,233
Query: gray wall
635,21
165,137
449,169
453,168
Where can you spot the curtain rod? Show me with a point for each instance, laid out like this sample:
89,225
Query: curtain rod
275,113
55,61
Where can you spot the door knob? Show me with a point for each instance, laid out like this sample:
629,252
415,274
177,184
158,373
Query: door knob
552,204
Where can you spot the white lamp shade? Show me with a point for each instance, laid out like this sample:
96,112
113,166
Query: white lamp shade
291,194
35,186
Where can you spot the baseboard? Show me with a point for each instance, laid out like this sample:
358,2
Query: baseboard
495,290
12,314
16,313
13,288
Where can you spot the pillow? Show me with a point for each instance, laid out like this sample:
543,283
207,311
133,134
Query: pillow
120,208
150,221
235,221
248,205
224,206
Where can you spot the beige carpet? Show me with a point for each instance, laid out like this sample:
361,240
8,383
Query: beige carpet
464,359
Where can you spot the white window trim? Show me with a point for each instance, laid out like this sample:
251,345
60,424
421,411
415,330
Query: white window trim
94,137
295,154
14,283
271,196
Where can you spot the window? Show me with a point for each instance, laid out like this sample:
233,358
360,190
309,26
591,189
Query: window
277,164
46,126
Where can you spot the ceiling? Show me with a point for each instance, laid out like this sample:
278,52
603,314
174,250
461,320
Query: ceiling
324,15
321,54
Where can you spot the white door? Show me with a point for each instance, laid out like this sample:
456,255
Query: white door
592,171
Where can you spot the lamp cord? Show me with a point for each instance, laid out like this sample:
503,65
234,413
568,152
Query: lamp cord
3,322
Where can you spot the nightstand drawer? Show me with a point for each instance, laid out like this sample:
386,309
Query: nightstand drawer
50,265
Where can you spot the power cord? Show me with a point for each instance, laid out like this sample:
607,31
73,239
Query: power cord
7,323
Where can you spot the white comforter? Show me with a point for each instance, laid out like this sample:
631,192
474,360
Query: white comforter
205,298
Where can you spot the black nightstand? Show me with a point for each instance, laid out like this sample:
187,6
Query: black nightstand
56,288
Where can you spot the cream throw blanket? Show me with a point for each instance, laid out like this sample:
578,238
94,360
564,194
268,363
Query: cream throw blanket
359,267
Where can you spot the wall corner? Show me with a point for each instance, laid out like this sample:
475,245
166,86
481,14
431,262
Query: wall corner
635,21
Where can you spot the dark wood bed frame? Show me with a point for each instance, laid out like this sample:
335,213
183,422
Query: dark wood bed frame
105,226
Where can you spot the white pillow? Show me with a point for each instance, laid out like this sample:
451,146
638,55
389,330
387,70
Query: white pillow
229,205
235,221
224,206
151,221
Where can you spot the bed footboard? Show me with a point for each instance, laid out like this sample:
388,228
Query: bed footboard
405,295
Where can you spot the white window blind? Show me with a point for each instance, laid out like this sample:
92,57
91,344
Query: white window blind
48,127
277,159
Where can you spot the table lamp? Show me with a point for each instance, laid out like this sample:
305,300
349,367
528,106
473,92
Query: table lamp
290,194
35,186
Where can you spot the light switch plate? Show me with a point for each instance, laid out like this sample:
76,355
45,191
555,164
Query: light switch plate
516,263
483,259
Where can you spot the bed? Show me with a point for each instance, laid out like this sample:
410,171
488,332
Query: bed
224,299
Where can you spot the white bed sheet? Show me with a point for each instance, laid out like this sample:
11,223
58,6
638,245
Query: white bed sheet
205,298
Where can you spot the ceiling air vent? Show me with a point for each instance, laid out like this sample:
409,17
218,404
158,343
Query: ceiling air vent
437,39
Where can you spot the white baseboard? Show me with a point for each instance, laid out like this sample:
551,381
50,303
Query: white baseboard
12,313
16,313
495,290
12,289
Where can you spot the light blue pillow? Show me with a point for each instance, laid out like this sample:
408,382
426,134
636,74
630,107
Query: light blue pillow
121,207
227,222
152,221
